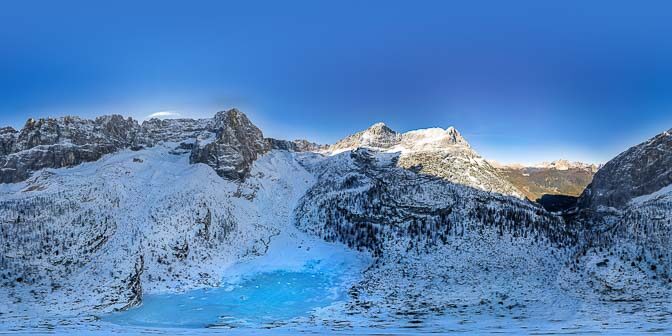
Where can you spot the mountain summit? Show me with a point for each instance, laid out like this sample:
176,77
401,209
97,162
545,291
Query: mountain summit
377,135
380,136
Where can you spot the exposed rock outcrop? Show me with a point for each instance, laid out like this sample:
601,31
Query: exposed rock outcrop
296,145
236,145
177,130
7,139
134,285
229,142
640,170
62,142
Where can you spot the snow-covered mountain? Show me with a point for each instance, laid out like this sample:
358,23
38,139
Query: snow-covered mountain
96,213
437,152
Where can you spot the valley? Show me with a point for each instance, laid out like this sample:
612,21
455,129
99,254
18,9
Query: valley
190,226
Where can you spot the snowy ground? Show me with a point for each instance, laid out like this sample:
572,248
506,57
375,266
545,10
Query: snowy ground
153,204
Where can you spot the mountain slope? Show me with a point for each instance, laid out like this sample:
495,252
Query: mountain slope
628,207
439,245
640,170
75,240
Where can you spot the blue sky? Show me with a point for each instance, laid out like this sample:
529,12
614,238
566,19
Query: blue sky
524,81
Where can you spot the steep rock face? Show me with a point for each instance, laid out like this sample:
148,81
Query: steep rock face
63,142
296,145
7,139
641,170
229,142
438,152
236,145
178,130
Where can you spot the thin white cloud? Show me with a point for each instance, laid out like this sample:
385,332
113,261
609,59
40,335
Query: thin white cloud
163,115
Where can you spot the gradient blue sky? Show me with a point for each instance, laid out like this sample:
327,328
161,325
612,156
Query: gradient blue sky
524,81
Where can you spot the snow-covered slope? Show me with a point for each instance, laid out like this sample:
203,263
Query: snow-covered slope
94,237
439,245
628,209
627,255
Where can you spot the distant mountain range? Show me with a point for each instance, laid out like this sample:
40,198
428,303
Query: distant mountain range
559,177
96,213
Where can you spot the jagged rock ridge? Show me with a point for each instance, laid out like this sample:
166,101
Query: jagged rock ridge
640,170
229,142
63,142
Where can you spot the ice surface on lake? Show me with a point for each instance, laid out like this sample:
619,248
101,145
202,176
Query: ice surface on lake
258,300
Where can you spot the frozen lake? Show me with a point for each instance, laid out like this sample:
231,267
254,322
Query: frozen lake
286,301
259,300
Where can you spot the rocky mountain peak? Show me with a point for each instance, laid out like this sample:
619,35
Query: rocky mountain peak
237,144
381,136
7,130
230,118
379,127
433,139
377,135
438,152
455,135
